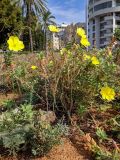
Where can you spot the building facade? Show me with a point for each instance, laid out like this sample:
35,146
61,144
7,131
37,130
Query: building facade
57,37
67,35
103,16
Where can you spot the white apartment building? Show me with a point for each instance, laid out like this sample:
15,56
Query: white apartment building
103,16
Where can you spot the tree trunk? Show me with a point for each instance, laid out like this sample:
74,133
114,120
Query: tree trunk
31,40
30,30
45,40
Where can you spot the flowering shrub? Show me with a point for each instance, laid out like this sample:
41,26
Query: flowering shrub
70,80
72,75
14,44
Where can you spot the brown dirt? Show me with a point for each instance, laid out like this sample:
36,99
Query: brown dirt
9,96
65,151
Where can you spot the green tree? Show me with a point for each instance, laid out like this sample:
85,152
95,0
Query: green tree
117,33
38,7
47,19
39,36
10,20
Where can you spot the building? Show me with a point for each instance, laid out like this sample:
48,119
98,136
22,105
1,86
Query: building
56,43
57,37
70,35
66,35
103,16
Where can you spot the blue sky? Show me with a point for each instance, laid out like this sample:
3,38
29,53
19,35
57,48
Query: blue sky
68,11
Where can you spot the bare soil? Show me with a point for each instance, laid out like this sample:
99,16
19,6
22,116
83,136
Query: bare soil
65,151
9,96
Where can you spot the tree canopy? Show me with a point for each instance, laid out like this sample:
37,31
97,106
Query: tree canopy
29,19
10,19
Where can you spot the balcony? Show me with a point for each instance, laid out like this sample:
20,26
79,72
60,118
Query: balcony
102,45
106,43
108,34
108,26
117,26
102,28
108,18
102,36
102,21
106,11
117,18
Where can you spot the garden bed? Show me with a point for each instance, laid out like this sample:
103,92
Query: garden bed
69,86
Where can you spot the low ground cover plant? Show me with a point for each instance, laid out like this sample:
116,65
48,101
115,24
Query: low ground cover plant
23,129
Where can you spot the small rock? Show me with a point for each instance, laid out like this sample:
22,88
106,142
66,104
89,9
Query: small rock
48,117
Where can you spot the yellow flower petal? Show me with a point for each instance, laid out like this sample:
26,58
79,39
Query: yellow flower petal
85,42
14,44
63,50
107,93
34,67
86,57
81,32
95,61
53,28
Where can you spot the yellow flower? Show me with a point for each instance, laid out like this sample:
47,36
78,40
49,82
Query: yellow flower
34,67
86,57
107,93
53,28
95,61
15,44
85,42
63,50
51,64
84,36
81,32
69,53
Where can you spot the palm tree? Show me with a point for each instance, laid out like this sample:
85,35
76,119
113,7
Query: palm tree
38,7
47,19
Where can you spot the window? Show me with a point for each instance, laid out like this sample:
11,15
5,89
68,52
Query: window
103,6
93,42
102,33
93,35
101,19
118,22
117,2
94,21
93,28
102,40
90,2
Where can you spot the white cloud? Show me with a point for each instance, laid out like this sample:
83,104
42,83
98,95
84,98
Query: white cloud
68,15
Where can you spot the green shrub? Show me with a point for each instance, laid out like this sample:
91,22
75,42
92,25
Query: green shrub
73,80
21,129
117,33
